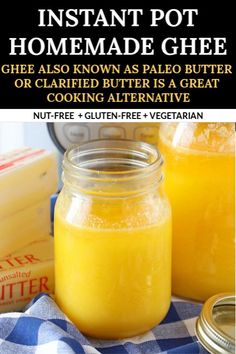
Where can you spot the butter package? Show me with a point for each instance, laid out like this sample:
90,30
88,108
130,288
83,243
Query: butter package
27,176
24,227
26,273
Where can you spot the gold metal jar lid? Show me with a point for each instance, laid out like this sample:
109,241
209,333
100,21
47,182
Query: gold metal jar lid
215,327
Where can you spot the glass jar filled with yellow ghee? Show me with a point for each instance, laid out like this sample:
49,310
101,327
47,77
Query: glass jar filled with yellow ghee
199,169
113,239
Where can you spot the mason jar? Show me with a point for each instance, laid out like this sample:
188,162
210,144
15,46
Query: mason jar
200,169
113,239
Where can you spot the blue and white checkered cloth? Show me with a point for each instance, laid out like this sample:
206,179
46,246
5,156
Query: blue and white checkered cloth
44,329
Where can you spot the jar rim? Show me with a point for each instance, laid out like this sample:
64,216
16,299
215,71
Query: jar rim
140,149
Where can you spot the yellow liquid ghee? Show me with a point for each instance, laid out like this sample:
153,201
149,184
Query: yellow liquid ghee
200,186
113,263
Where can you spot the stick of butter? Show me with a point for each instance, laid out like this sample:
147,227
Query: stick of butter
27,176
24,227
26,273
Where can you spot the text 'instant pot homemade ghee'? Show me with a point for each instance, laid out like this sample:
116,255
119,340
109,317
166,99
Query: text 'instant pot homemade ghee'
113,239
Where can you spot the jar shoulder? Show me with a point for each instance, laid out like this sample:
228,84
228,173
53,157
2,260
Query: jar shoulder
199,137
96,212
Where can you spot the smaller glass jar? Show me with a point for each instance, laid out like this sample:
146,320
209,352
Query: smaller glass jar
113,239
